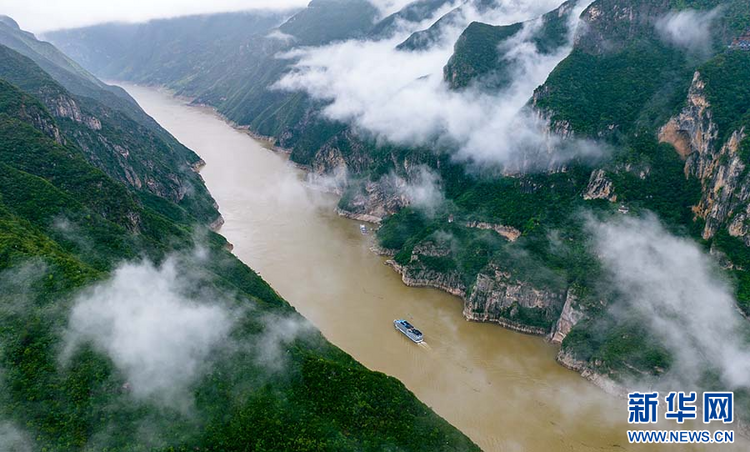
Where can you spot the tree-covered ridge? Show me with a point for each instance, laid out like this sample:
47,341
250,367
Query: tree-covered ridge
476,53
122,147
480,54
66,226
626,77
105,122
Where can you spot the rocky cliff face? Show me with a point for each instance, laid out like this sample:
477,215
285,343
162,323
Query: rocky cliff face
719,166
338,166
373,201
63,106
103,122
569,317
416,275
508,232
495,295
41,120
600,187
500,298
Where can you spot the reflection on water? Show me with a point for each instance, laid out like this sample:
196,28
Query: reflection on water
503,389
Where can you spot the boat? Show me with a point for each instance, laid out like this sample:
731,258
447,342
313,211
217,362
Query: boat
363,229
408,330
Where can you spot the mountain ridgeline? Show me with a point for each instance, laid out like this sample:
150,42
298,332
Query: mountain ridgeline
106,124
92,190
669,104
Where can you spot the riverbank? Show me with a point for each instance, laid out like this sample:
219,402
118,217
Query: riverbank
503,389
568,362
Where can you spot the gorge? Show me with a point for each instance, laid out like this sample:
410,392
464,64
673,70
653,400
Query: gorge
502,388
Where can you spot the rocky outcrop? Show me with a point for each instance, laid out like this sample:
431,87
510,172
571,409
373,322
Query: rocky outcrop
365,217
65,107
217,224
693,130
569,317
42,121
726,189
497,297
380,251
600,187
567,360
419,276
719,166
510,233
411,184
373,201
494,296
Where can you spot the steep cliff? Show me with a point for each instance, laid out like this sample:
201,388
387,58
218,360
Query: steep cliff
483,54
116,135
75,240
113,142
720,166
493,289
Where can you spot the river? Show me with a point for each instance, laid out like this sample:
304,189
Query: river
501,388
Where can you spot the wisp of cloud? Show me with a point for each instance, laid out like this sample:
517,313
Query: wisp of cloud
12,439
400,96
670,282
147,322
689,30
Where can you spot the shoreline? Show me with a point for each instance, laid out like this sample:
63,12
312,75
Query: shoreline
562,359
599,380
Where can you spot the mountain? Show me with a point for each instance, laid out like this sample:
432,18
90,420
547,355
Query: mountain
106,124
412,12
657,87
477,60
85,257
189,43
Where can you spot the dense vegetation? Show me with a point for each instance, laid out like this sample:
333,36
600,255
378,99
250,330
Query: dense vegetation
480,54
620,84
104,122
65,225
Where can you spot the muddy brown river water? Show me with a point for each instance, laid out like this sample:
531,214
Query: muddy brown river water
503,389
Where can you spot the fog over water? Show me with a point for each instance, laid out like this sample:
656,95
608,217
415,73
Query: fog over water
503,389
45,15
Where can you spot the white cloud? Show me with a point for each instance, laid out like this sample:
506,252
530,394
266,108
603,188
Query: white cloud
400,95
153,325
388,7
281,36
279,332
12,439
422,191
671,283
45,15
162,326
689,29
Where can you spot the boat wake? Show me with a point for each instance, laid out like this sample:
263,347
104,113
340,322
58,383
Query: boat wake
425,345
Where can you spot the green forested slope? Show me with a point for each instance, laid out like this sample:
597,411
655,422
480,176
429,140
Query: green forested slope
105,122
621,83
66,225
114,142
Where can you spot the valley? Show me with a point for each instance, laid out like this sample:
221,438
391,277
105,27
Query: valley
501,388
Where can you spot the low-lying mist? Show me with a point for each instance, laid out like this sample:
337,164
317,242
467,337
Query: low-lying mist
400,96
154,327
676,289
13,439
689,29
163,325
